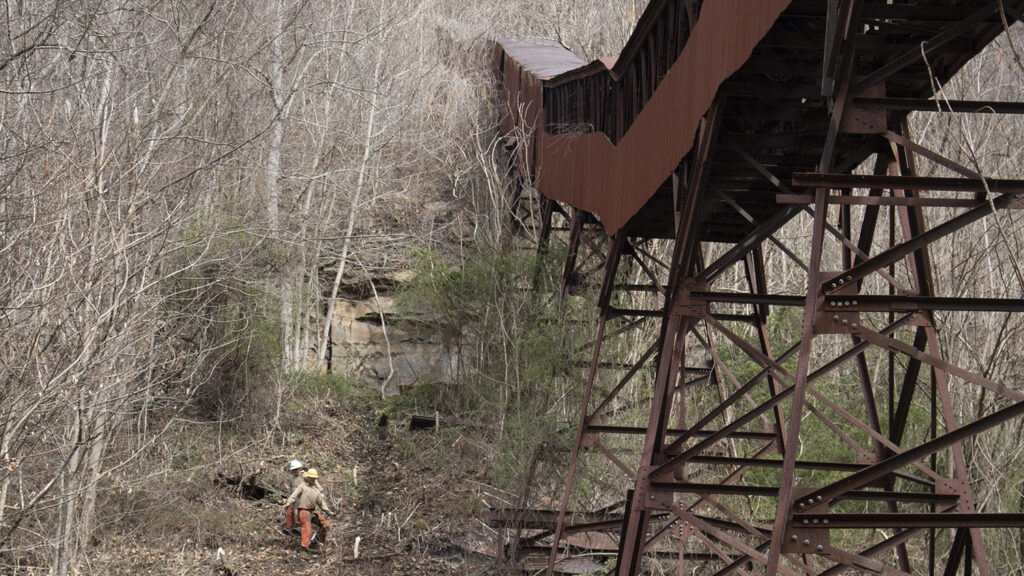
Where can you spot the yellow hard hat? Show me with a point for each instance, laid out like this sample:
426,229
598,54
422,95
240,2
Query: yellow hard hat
312,473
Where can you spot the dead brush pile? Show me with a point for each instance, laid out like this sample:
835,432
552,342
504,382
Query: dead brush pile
406,502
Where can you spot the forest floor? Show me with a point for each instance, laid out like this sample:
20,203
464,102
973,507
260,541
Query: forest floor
415,500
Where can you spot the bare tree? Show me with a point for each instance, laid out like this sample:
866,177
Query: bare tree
107,171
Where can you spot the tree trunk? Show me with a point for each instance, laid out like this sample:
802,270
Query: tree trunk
64,547
275,75
305,338
100,415
353,212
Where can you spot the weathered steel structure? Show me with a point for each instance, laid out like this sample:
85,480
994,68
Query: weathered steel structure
720,122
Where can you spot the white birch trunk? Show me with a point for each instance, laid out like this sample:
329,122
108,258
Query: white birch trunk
64,545
275,73
6,470
353,212
304,338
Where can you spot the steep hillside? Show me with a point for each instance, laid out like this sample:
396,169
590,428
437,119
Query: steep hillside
412,500
191,195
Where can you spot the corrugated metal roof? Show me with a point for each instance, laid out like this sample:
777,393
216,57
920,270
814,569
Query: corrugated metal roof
542,58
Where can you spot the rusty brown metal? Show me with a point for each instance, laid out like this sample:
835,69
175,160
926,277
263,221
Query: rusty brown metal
522,66
720,122
614,181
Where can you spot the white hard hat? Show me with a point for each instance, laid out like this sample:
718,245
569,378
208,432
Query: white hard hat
294,465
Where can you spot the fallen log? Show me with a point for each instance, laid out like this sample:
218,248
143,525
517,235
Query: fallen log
427,422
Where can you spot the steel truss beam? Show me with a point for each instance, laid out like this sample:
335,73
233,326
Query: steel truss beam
764,444
664,506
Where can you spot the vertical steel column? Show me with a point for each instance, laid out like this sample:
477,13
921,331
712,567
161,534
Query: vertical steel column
615,249
675,327
913,218
572,252
844,26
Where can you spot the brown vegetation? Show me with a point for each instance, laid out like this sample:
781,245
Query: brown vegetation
184,186
185,191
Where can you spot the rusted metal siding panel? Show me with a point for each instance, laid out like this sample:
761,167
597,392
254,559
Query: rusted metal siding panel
615,181
523,65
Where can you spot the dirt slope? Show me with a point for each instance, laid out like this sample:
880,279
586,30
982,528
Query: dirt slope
414,500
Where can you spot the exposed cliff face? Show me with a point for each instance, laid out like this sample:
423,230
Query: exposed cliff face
373,343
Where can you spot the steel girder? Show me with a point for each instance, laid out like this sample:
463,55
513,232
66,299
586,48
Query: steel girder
742,444
720,480
701,482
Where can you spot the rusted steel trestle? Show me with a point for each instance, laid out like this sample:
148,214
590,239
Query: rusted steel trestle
789,426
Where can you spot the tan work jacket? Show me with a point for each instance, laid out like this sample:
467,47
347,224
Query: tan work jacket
306,497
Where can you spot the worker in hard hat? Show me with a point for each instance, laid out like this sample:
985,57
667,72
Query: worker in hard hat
296,467
298,471
307,498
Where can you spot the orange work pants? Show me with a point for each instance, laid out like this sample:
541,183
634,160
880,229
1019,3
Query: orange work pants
289,516
306,520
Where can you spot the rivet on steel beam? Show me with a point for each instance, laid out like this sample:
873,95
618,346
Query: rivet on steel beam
847,303
810,500
825,521
805,520
807,542
854,302
837,303
835,318
652,496
800,505
815,520
848,279
819,497
794,538
845,322
841,281
854,325
833,284
820,547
